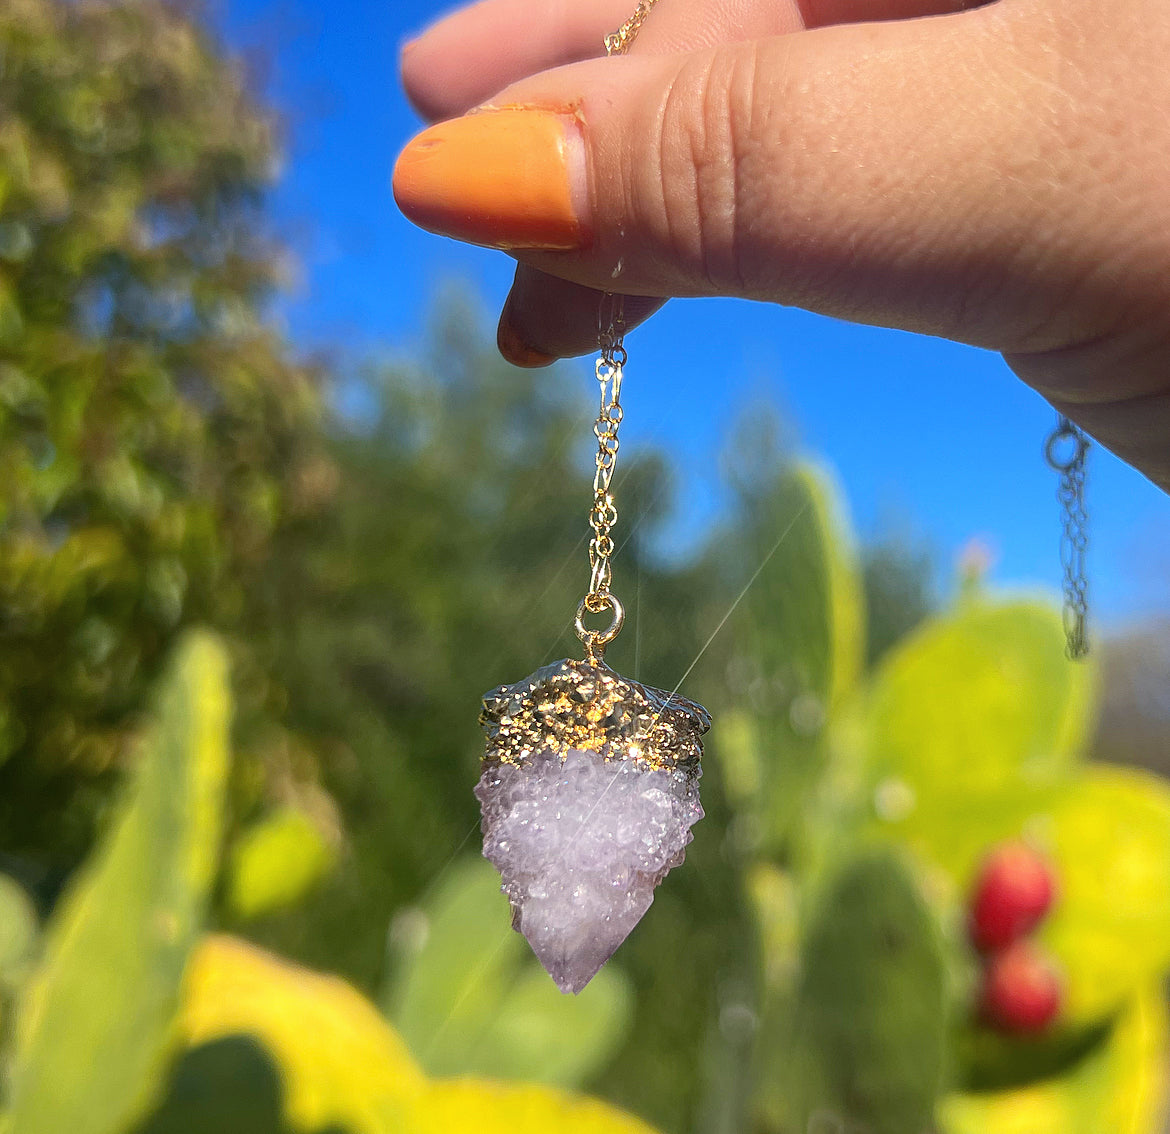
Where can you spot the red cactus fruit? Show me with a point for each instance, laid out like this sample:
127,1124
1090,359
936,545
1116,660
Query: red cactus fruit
1021,991
1014,891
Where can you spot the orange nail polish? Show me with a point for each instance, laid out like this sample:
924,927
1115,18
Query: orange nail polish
509,178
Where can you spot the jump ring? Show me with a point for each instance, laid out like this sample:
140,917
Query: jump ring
1078,453
596,640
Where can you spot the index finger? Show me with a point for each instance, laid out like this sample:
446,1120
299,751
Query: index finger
468,56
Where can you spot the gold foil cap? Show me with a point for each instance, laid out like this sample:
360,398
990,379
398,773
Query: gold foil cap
575,704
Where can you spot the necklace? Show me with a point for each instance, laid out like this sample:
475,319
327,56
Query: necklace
590,781
1065,451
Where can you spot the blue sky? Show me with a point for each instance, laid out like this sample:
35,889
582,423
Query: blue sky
927,437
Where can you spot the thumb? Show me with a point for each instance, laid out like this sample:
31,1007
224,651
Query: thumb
927,174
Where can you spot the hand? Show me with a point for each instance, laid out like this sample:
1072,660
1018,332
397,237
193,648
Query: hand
998,176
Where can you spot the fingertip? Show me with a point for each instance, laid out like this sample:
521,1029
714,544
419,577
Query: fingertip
440,72
411,72
417,69
470,54
512,177
552,318
515,350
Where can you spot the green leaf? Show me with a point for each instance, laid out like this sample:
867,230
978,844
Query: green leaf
517,1108
775,902
18,929
228,1084
276,862
539,1033
472,1000
735,745
803,630
336,1062
805,605
970,727
11,320
444,996
1119,1087
94,1026
866,1046
306,1052
1109,837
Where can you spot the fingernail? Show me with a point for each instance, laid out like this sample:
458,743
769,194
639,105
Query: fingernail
509,178
516,350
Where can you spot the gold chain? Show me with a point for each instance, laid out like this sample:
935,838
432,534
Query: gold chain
603,514
618,42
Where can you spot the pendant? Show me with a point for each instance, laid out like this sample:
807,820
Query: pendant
590,782
589,790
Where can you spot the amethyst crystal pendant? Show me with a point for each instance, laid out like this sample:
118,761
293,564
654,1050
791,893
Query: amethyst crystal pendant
589,790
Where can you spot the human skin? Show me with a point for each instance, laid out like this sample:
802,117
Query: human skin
999,176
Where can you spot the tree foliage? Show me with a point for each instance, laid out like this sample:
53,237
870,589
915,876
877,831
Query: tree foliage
154,431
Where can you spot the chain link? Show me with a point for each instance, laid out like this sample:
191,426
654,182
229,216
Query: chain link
1065,451
603,514
618,42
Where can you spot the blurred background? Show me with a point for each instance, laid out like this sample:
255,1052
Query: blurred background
274,515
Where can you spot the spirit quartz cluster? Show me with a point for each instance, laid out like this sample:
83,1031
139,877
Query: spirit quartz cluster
589,790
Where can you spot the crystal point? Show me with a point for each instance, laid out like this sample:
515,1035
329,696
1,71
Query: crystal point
589,790
581,842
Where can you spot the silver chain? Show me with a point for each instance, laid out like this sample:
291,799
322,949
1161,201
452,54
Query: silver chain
1065,451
